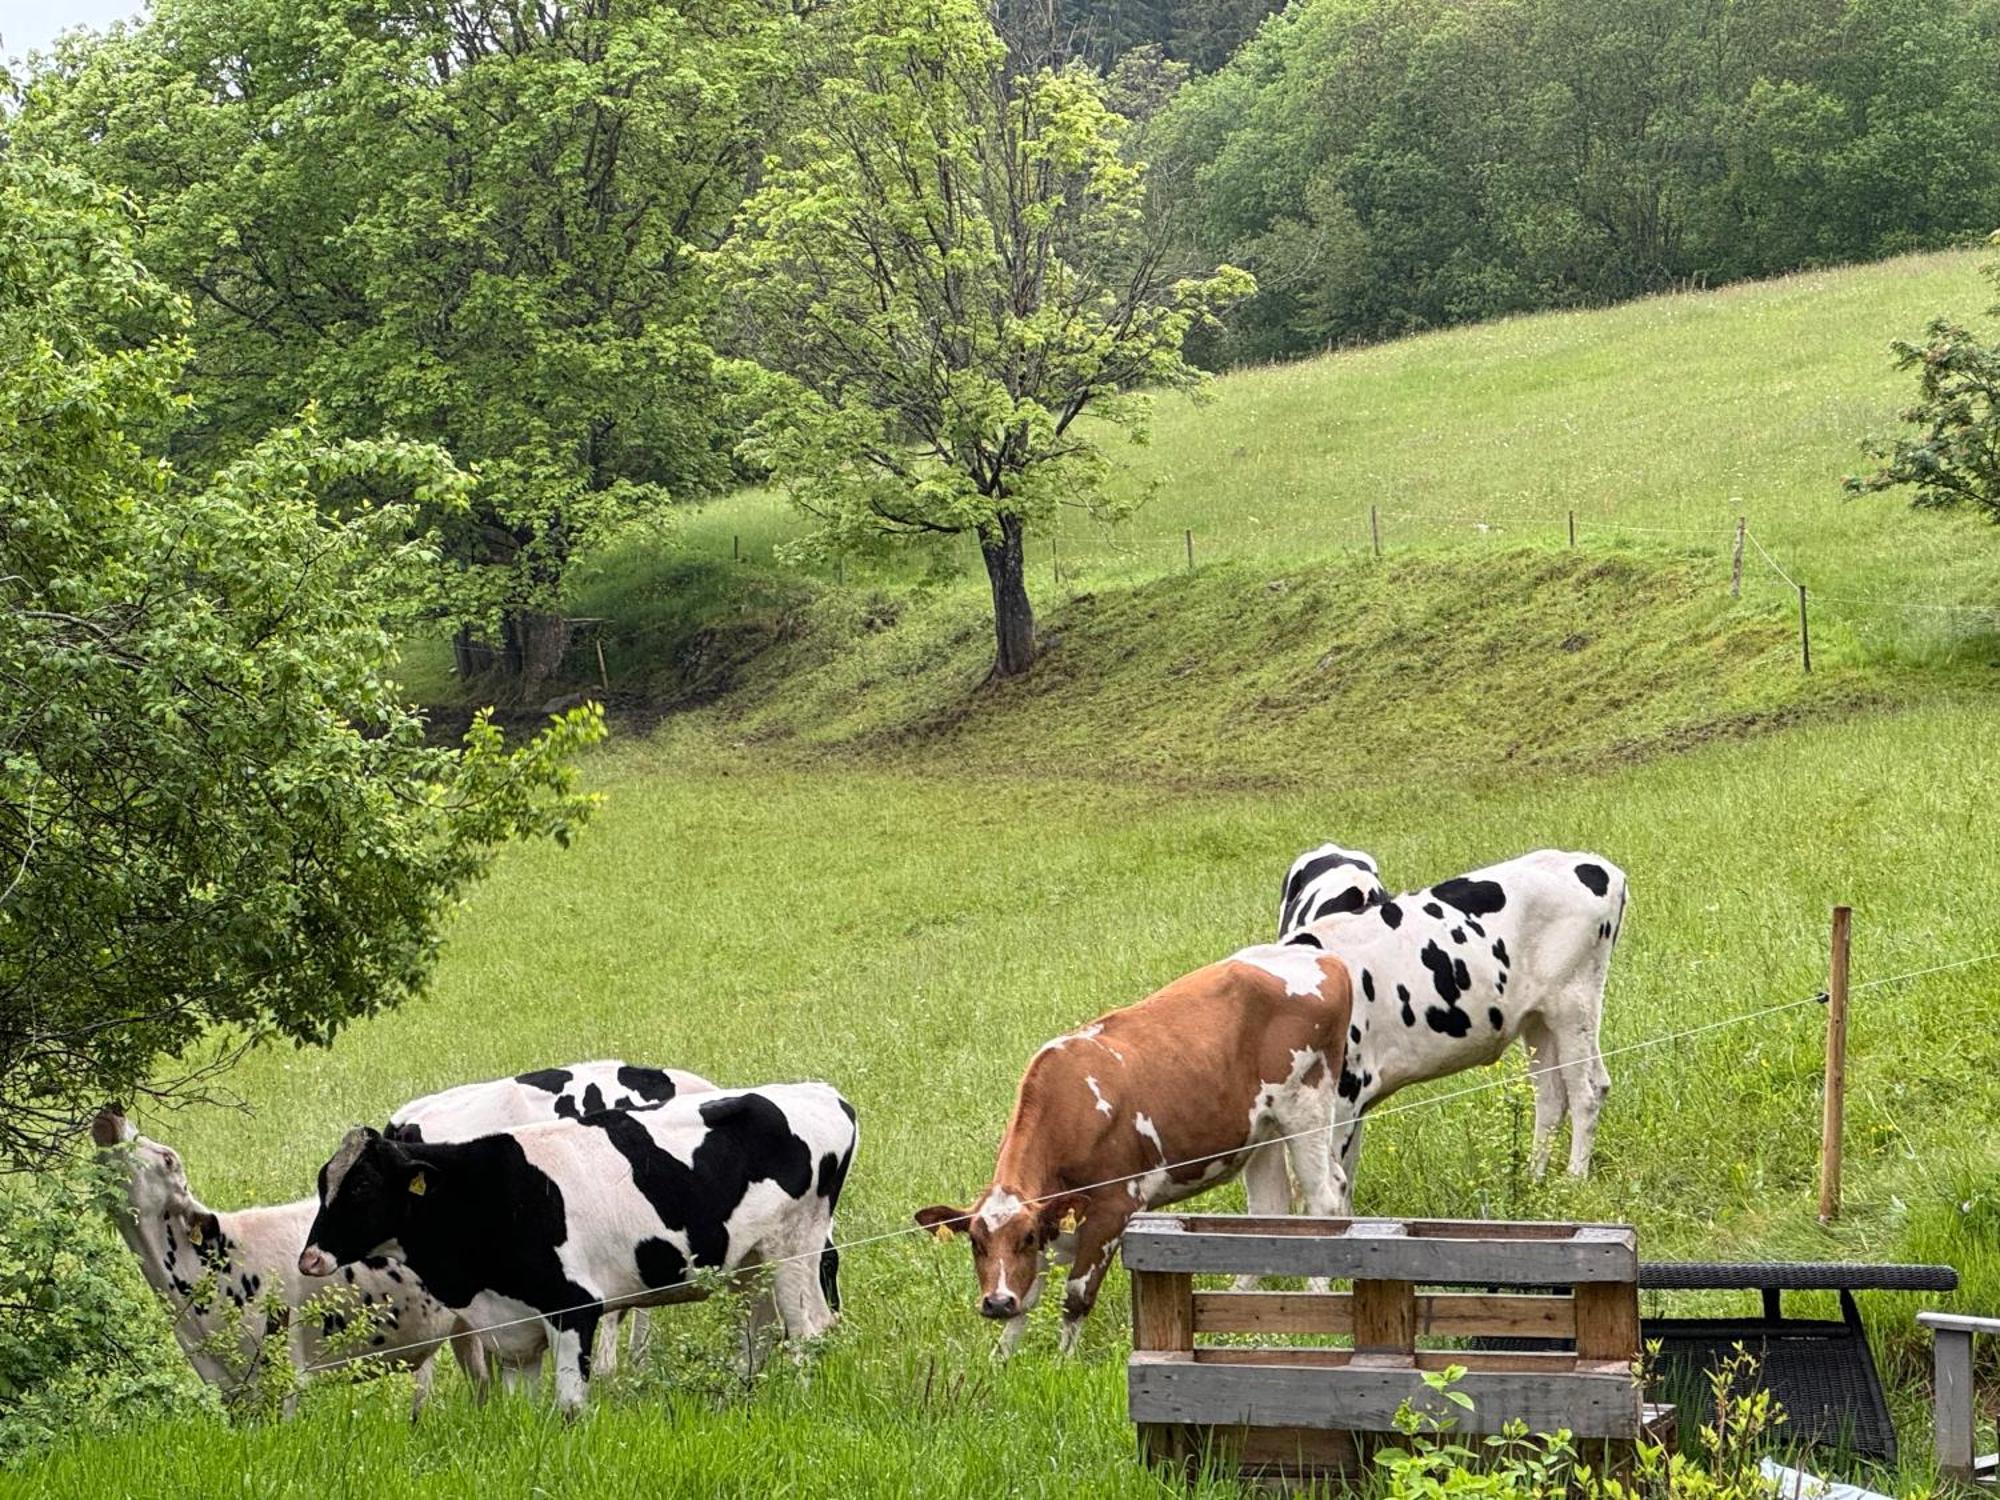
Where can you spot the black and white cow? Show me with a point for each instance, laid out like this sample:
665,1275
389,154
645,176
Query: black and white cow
217,1272
1325,882
471,1110
1447,977
475,1109
534,1232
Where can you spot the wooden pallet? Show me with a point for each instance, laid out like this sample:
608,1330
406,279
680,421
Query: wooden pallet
1286,1410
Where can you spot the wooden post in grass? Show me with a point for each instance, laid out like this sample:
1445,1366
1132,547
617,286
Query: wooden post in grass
736,549
603,676
1836,1068
1736,561
1805,633
1188,536
1375,529
1572,528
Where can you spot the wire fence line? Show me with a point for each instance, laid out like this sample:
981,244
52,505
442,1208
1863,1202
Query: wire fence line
1432,1101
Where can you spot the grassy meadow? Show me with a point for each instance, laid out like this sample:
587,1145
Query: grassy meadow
1672,414
853,862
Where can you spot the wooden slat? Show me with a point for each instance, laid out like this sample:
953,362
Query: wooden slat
1167,1388
1515,1361
1385,1317
1163,1319
1162,1310
1273,1312
1306,1224
1157,1244
1607,1320
1442,1314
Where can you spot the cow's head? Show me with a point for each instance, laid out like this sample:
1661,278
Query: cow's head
156,1184
1010,1236
367,1191
1325,882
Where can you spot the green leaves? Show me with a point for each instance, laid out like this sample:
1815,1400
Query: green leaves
479,229
217,815
1953,457
947,264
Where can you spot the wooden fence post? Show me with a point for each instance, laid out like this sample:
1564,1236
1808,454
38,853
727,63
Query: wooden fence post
1189,536
1836,1068
1736,561
736,549
1805,633
1375,529
1572,528
1163,1319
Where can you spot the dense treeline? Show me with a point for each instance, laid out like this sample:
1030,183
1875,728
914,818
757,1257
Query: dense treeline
1391,165
465,221
1202,34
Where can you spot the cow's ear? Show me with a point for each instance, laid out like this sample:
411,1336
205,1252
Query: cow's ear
1063,1213
942,1220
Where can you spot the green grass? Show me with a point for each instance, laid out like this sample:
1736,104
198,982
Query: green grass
1678,413
853,860
913,937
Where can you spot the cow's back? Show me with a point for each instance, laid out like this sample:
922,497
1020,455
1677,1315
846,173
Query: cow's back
471,1110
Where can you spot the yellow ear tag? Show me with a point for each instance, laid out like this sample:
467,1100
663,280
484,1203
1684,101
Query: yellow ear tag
194,1233
1069,1222
942,1234
418,1185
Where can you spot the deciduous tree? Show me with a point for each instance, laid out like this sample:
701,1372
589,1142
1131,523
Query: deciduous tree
219,824
947,267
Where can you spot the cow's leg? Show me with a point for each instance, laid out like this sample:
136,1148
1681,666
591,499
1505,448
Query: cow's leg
1546,1072
760,1311
420,1384
604,1359
640,1321
1267,1190
1015,1328
570,1338
470,1351
1096,1242
801,1302
1588,1081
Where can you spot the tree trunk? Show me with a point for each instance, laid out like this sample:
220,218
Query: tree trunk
470,656
1013,615
535,646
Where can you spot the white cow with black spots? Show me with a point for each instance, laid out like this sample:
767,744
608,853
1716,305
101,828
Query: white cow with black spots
217,1271
471,1110
1448,977
532,1234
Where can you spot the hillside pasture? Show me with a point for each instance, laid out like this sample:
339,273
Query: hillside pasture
1661,419
849,859
914,938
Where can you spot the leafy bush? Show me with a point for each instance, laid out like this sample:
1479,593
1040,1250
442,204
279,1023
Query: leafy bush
84,1347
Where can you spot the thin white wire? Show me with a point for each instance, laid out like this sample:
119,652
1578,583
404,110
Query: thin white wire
1776,566
1428,1102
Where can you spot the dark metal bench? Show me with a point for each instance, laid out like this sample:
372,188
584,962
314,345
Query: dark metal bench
1819,1370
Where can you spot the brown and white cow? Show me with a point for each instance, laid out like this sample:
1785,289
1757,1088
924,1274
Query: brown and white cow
1154,1103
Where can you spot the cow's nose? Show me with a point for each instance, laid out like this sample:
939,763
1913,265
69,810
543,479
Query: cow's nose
314,1261
999,1305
